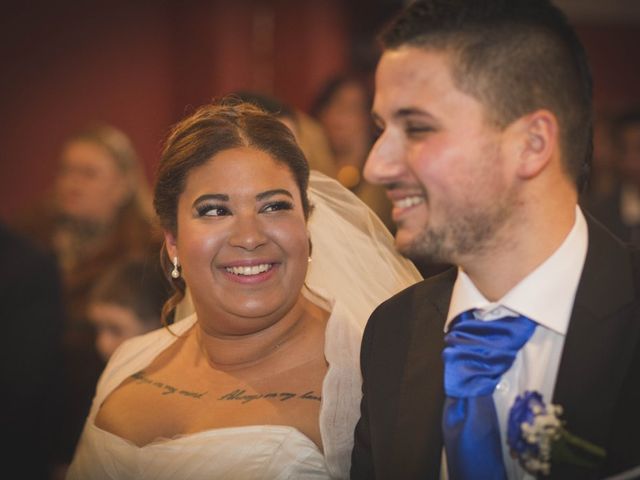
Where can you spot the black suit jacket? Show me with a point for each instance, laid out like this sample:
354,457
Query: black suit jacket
607,210
399,434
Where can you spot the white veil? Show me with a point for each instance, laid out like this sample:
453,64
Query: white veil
354,260
355,267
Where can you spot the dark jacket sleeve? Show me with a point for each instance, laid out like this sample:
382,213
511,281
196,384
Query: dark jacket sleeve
623,450
362,458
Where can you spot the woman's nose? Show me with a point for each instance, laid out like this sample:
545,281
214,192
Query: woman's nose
248,232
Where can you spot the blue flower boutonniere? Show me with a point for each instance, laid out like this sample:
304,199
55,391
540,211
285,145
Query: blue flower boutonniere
537,437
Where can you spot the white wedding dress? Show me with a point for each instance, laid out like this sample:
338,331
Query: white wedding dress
354,268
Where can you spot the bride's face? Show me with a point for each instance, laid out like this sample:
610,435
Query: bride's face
241,240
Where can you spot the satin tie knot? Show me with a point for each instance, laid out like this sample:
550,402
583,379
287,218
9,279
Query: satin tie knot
476,355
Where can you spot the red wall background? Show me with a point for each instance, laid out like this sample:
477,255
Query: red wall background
140,65
615,60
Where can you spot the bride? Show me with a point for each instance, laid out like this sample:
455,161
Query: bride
283,270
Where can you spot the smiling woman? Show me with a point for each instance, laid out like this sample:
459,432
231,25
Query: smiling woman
262,380
242,240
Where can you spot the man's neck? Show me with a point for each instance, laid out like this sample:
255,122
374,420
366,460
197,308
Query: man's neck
522,249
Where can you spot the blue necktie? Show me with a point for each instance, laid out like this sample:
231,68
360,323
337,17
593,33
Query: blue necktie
476,355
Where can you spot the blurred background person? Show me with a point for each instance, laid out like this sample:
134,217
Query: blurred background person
618,208
98,213
602,175
127,301
30,359
309,133
343,108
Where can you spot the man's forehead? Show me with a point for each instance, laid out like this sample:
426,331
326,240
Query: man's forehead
409,76
414,62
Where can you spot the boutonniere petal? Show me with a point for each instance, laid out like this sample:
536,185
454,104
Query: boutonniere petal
537,437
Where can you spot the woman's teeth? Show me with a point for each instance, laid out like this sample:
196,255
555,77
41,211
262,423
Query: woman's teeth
252,270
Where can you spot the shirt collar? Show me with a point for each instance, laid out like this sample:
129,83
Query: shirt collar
546,295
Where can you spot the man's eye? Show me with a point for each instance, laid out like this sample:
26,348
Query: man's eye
417,130
277,206
210,210
377,131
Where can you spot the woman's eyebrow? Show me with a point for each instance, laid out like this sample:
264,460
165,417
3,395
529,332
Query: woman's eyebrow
212,196
271,193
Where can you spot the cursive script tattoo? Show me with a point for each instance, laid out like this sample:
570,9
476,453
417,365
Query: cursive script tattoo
165,388
243,397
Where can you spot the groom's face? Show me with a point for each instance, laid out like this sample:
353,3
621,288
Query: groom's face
440,160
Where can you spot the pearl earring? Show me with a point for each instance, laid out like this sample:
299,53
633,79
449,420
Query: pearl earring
175,273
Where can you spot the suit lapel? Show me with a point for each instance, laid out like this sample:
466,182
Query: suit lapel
422,394
599,342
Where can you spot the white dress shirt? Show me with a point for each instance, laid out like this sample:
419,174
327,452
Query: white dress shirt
545,296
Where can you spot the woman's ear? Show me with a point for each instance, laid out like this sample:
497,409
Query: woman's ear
538,141
170,243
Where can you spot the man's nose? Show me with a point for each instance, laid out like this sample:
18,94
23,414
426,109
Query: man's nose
384,163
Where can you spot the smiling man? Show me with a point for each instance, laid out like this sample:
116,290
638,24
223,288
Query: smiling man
485,117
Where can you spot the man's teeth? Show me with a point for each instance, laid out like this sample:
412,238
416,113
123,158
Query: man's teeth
408,202
252,270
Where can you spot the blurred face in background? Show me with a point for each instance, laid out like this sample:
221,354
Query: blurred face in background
114,324
346,119
630,153
89,186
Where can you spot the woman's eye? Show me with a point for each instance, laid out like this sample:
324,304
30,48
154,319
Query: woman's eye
277,206
212,210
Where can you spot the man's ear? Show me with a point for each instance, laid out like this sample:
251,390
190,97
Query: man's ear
170,243
538,142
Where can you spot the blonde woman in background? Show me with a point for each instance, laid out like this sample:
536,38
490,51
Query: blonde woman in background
98,213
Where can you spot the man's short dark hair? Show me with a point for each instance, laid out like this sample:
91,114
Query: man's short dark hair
514,56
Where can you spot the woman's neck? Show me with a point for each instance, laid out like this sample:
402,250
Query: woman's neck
234,352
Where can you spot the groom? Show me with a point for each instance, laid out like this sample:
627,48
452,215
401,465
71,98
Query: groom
485,117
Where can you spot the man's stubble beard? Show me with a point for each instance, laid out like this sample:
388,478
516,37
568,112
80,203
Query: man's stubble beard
463,236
